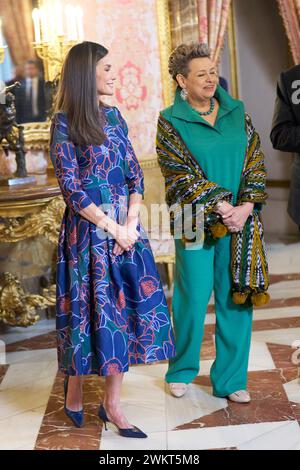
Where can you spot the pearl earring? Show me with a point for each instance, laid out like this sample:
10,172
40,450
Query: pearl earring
183,94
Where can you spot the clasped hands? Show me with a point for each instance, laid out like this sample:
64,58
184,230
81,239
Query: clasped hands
125,235
235,217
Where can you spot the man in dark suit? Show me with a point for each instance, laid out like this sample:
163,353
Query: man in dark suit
285,134
223,83
30,97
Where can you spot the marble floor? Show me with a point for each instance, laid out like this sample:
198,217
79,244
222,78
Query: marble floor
31,395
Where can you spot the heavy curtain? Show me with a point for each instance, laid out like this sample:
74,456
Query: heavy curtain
18,28
184,21
290,12
212,23
199,20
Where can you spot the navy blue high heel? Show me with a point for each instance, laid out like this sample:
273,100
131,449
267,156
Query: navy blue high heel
75,416
125,432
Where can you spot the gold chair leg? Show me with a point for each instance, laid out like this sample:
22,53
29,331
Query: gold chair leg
170,274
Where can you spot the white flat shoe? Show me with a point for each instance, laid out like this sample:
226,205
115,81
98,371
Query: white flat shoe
178,389
241,396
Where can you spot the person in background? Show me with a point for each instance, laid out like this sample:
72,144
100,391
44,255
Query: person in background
223,83
285,133
30,97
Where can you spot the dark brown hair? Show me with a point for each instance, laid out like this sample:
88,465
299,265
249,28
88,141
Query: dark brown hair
77,94
181,56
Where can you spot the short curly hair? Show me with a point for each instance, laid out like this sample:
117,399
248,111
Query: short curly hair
181,56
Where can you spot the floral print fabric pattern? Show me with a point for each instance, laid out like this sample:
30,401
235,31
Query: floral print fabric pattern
111,311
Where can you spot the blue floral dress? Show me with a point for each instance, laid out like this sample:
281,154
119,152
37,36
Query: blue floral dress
111,311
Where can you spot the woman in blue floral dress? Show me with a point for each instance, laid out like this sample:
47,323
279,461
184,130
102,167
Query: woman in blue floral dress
111,308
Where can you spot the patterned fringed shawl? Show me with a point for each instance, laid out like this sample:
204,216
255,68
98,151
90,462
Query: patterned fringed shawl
185,183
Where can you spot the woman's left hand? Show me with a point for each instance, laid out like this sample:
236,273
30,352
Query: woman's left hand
236,221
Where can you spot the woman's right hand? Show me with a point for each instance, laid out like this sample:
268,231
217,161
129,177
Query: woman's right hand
125,237
225,209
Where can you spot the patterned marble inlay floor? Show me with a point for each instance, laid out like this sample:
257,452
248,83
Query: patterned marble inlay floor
31,391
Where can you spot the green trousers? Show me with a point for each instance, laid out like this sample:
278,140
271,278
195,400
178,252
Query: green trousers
197,274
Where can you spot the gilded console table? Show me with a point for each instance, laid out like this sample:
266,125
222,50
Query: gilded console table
27,211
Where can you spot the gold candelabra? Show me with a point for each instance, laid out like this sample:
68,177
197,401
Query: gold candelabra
56,29
53,55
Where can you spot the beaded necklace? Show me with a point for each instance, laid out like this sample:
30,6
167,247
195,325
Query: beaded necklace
211,108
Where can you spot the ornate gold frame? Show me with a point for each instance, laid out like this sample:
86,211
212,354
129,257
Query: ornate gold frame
165,47
36,135
232,53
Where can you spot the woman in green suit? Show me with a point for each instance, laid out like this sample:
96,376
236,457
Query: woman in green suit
209,153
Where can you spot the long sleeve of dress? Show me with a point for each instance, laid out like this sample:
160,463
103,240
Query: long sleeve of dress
133,171
285,133
253,181
63,157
